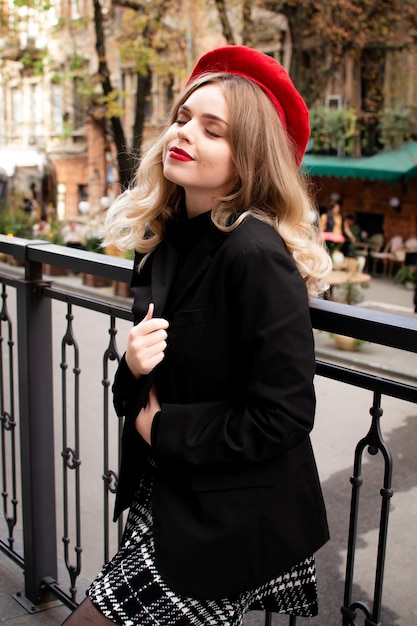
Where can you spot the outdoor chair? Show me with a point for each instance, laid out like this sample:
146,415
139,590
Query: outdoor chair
411,244
392,254
363,249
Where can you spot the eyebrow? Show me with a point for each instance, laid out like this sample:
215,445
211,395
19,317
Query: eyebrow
210,116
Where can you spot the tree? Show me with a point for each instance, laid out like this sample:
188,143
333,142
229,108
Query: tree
225,23
145,30
124,153
247,22
324,33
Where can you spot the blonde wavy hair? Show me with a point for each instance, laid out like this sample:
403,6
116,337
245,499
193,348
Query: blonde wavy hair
270,187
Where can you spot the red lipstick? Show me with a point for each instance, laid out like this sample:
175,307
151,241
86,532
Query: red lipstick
180,155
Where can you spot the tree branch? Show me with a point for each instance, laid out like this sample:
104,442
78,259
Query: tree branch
124,156
224,20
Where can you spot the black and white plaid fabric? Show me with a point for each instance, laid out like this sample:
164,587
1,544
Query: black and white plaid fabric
130,591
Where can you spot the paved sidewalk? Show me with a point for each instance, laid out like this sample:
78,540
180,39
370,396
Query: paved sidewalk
384,295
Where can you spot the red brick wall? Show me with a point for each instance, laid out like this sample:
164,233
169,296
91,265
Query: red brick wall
372,197
87,168
71,170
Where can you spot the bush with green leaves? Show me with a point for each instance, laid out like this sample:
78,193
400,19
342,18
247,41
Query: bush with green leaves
407,274
17,223
395,126
333,130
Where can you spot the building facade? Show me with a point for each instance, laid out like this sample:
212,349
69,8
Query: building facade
51,94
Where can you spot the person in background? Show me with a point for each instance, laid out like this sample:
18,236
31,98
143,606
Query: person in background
332,221
217,382
351,233
73,235
27,205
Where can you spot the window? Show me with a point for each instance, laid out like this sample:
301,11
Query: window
37,110
57,108
334,102
16,97
61,200
78,104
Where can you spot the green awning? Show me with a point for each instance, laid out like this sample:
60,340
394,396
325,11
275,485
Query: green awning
389,165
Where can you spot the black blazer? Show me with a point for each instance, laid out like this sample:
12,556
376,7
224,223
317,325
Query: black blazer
236,499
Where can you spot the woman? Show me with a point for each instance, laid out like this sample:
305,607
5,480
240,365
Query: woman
216,385
332,221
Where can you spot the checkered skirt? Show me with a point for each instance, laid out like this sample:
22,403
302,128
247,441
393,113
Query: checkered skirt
130,591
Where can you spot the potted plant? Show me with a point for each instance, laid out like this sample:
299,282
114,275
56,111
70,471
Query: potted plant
94,243
15,223
343,342
50,231
348,293
407,276
333,242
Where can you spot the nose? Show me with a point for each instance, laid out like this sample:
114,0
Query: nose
185,131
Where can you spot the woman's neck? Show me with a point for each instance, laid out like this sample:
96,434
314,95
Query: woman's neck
196,205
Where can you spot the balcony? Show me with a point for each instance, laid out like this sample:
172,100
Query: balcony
10,49
59,347
18,46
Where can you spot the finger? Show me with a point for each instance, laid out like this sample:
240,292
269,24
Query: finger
149,314
147,326
153,350
152,362
147,334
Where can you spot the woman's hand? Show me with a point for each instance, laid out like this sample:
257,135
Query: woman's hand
143,422
146,344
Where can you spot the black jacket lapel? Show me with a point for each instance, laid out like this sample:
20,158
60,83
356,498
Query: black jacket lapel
164,266
154,282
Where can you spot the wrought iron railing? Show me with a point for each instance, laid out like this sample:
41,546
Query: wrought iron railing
36,404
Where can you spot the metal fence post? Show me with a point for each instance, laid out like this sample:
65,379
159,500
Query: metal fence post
34,320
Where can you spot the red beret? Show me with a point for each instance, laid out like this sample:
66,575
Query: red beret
273,80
